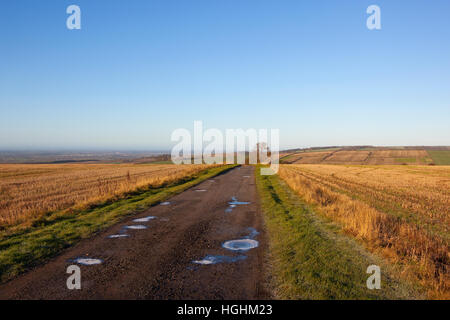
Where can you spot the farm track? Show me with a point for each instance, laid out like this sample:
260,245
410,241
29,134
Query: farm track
157,263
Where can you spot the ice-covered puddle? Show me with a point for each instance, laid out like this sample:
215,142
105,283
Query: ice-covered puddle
165,203
88,261
115,236
238,203
234,202
210,259
136,227
253,233
240,244
145,219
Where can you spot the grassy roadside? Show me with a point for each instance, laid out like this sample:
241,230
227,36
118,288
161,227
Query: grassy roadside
311,258
22,249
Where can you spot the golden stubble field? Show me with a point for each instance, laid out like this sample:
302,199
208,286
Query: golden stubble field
401,212
30,191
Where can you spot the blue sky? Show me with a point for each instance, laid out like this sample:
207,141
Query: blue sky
137,70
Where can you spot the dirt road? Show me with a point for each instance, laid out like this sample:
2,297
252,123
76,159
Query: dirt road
159,262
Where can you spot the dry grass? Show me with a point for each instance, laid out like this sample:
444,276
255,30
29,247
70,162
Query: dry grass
400,212
29,191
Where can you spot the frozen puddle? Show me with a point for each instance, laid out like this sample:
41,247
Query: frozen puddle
200,190
230,208
233,203
114,236
238,203
210,259
253,233
240,245
165,203
136,227
88,261
146,219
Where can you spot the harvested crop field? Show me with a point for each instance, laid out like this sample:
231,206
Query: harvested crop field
441,157
366,157
399,157
401,212
350,157
307,157
29,191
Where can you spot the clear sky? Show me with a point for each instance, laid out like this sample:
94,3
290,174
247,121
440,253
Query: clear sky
139,69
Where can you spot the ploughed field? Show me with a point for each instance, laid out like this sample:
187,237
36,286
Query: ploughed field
29,191
401,212
369,156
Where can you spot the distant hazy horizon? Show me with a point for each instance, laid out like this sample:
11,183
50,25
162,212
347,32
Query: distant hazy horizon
168,151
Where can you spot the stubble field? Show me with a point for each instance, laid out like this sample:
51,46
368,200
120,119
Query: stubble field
401,212
29,191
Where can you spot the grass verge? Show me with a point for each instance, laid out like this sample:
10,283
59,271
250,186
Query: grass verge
23,249
312,259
